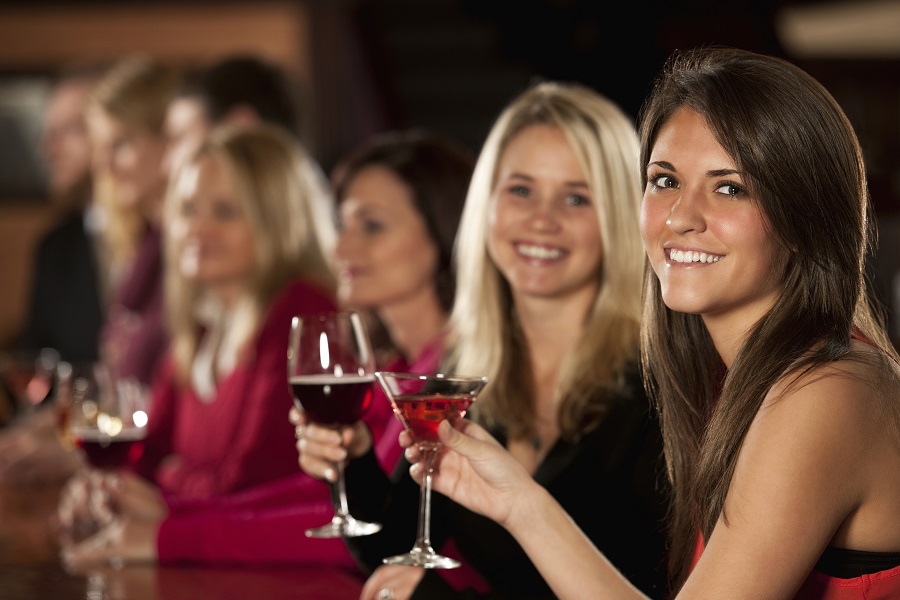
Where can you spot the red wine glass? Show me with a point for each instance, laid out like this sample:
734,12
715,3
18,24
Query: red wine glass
330,372
105,417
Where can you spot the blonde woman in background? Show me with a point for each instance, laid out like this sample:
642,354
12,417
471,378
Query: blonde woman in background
548,307
400,197
244,255
125,116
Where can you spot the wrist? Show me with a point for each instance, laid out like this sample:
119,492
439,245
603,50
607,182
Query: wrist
529,509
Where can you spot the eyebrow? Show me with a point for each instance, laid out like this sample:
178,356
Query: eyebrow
713,173
579,184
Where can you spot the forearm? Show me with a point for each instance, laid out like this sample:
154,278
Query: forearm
565,557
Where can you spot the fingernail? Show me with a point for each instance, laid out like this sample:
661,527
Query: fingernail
330,475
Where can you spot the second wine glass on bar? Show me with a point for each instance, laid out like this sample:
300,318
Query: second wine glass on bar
331,370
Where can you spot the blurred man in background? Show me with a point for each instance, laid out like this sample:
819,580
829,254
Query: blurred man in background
239,91
66,304
65,308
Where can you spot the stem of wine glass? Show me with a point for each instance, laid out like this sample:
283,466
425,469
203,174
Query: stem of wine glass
423,535
339,494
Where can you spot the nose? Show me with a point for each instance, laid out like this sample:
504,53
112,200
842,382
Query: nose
686,214
344,247
544,218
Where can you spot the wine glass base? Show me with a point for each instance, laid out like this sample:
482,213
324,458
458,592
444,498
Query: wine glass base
426,560
346,527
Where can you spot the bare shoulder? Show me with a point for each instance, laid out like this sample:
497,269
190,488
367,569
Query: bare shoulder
866,377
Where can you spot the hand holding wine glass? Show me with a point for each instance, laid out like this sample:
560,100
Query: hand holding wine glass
422,402
330,371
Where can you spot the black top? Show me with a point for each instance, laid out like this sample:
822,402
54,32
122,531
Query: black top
612,483
65,311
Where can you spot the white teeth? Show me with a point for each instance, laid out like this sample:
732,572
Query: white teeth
688,256
539,252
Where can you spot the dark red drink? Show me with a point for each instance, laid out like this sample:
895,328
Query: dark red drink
109,452
334,401
422,413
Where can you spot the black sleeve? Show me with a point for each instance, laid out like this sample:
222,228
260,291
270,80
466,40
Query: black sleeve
393,502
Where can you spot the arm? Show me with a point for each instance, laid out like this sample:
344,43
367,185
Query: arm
799,487
477,472
263,526
266,535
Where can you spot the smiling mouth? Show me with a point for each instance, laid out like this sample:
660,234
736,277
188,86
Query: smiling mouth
691,256
540,252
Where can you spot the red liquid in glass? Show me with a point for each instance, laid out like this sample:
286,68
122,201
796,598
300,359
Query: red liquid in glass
109,452
335,401
422,413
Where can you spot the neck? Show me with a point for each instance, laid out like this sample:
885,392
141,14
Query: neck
413,324
552,329
729,330
228,295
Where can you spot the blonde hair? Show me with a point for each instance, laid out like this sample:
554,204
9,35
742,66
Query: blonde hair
284,197
485,337
135,91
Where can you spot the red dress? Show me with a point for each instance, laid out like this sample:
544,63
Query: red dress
199,448
266,524
881,585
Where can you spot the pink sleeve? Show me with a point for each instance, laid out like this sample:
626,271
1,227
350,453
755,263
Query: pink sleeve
264,526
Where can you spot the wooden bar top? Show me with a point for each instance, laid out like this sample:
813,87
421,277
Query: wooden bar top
30,568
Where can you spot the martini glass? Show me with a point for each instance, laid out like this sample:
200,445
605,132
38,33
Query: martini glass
330,371
421,402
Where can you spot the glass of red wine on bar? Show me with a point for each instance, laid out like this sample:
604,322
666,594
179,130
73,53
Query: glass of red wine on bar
331,373
28,377
105,417
421,402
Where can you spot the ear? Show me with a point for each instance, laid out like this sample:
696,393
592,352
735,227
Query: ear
242,115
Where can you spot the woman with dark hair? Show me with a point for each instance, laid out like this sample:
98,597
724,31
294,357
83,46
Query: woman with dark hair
400,198
775,381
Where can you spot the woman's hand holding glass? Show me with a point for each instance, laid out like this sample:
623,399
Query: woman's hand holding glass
125,512
319,448
474,470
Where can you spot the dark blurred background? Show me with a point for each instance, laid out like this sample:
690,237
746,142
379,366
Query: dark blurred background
450,65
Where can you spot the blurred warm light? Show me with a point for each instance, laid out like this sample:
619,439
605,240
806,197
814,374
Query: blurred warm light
849,29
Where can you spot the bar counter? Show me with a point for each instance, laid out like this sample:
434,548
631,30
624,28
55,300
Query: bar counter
30,568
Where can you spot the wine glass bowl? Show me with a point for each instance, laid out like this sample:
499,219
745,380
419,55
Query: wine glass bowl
104,416
421,402
28,376
331,374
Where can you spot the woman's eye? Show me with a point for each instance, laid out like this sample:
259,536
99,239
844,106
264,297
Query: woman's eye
225,212
578,200
663,181
731,189
372,226
519,190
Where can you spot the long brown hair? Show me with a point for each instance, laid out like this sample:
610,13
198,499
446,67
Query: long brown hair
798,154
